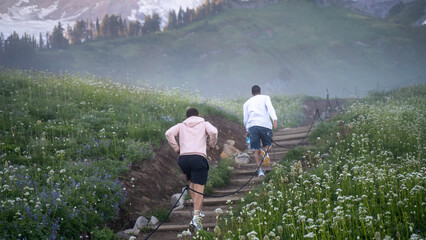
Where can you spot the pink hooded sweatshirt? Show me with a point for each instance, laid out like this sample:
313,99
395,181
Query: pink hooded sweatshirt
192,135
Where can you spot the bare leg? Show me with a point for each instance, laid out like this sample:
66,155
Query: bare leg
197,198
191,185
267,148
257,157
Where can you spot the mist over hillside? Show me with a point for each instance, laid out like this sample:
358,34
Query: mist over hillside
290,47
287,48
377,8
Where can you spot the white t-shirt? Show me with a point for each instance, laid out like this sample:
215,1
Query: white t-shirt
258,111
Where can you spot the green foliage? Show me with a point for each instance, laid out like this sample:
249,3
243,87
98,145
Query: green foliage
103,234
65,140
161,213
218,175
294,154
370,186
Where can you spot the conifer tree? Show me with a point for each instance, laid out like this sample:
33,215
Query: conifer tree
47,41
188,15
98,29
180,17
147,25
105,26
40,42
172,21
134,28
1,47
57,39
156,21
77,35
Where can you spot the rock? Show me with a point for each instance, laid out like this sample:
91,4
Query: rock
230,142
140,222
229,151
325,155
242,158
175,197
153,221
122,235
132,232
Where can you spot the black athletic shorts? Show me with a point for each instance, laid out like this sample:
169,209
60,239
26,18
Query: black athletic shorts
195,168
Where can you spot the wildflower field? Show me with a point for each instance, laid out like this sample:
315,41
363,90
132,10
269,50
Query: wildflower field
370,186
65,140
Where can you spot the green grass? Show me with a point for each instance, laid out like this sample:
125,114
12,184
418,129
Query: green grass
371,186
66,139
290,47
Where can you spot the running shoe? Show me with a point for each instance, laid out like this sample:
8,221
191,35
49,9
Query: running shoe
195,224
266,159
261,173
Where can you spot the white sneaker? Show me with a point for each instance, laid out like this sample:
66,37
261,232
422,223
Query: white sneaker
196,223
261,173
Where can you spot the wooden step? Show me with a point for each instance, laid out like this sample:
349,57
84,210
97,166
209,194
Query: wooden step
246,171
293,130
291,143
241,181
286,137
208,201
188,212
231,190
181,227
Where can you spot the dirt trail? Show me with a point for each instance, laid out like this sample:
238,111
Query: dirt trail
181,218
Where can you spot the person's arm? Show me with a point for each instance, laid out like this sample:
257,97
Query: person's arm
212,132
171,135
271,111
245,116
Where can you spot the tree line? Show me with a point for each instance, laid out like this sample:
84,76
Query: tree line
19,51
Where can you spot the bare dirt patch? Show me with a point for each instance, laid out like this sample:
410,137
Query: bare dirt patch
151,183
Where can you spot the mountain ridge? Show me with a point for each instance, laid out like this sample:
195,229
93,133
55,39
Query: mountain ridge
35,16
40,16
288,48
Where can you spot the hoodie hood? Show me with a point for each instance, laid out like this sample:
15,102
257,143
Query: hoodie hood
193,121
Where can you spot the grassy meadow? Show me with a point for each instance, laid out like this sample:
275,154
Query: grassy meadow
65,140
291,47
370,186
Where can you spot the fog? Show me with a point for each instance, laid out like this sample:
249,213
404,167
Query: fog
224,56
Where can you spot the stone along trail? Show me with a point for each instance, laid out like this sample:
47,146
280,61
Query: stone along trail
285,138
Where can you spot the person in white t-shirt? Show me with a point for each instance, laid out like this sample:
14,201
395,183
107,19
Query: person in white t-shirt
258,113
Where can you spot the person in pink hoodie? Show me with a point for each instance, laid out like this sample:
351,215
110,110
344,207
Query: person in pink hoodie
192,134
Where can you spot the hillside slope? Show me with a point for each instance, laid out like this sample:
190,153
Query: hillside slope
289,47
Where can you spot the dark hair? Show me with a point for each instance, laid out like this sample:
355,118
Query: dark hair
191,112
255,90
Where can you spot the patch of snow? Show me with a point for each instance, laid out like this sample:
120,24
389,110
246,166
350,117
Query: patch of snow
163,7
44,12
424,22
37,27
21,13
25,16
132,16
